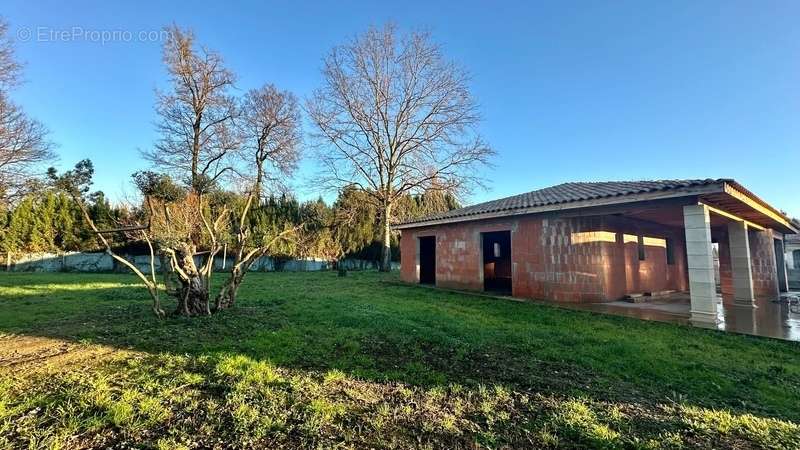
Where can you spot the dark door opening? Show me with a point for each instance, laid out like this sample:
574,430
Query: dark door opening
780,264
427,260
497,261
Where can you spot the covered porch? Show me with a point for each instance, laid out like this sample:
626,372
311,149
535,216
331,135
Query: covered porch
734,262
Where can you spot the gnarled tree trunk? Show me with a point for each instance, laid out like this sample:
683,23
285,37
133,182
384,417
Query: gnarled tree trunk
227,295
192,292
193,300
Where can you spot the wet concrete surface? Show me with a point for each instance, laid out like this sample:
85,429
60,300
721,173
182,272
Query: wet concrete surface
775,319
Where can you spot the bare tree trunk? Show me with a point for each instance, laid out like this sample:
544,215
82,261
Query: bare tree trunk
193,299
241,265
386,248
193,291
227,295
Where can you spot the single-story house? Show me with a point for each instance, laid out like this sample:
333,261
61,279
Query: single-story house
602,241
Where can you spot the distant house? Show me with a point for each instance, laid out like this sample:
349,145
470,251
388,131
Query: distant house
596,242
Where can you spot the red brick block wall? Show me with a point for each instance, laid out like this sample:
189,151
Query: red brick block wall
550,261
762,258
720,235
408,252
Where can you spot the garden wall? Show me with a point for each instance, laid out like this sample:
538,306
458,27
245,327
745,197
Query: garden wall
102,262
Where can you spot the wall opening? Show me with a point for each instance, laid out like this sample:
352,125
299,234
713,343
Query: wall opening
670,242
427,260
718,266
780,265
497,261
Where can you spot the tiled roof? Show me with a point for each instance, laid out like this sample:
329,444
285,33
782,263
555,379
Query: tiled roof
566,193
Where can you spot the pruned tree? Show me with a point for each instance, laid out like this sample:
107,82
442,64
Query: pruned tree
197,147
394,117
179,223
24,144
269,129
196,114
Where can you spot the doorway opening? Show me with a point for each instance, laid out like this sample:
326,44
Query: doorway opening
717,265
427,260
497,261
780,265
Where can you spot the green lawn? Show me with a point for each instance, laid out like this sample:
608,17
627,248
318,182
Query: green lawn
311,360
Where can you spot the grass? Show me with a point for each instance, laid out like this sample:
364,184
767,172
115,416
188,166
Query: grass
311,360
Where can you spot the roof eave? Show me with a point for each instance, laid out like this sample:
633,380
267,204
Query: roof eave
737,190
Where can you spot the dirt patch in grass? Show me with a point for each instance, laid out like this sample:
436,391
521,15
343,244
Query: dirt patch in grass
24,354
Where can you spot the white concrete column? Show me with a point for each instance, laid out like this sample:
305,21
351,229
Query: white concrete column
741,266
702,288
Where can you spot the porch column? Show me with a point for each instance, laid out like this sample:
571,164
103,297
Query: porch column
700,260
741,266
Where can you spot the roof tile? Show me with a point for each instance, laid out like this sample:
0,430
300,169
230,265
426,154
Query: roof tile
566,193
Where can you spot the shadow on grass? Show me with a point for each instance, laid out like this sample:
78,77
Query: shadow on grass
376,330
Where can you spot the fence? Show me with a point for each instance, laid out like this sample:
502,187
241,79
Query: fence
103,262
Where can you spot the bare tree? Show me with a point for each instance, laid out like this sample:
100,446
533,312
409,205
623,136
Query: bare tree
196,114
269,132
10,68
269,125
24,145
394,117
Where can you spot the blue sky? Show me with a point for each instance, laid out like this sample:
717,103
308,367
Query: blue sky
570,91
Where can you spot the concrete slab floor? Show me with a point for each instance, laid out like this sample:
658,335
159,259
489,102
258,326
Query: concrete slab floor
769,319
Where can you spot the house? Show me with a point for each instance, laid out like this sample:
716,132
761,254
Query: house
601,241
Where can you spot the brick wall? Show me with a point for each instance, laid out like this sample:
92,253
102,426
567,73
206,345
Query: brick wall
581,259
762,257
725,270
548,265
762,260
